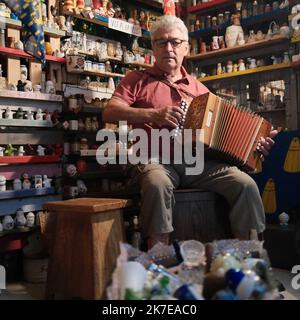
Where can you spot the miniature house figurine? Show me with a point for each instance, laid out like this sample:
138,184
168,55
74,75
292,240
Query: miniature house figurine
30,219
8,114
46,181
21,151
39,115
40,150
8,223
20,220
2,183
26,182
17,184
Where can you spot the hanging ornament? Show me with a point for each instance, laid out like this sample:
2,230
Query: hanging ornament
269,197
292,159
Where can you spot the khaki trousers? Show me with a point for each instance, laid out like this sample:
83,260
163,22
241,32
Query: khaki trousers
157,182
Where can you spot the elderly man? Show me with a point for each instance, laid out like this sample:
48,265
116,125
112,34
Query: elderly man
150,99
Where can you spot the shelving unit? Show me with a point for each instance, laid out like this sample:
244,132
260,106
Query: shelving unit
246,72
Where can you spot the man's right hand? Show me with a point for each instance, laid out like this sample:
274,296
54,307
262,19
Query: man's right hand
168,116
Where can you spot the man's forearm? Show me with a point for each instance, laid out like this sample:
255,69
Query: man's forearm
114,114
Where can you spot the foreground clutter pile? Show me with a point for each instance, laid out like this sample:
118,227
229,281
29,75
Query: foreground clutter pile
190,270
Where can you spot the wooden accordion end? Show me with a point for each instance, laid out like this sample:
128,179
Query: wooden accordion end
230,133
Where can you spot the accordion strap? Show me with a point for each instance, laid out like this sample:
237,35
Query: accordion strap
172,85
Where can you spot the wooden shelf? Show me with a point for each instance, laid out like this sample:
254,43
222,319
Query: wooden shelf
244,22
13,194
91,175
247,46
206,6
29,159
17,24
226,95
97,73
22,54
295,39
26,123
246,72
29,95
103,21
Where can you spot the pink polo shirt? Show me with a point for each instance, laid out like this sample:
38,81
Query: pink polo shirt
143,89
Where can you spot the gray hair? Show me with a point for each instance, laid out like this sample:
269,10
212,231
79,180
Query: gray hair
170,22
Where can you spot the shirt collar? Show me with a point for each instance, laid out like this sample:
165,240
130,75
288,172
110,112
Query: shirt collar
158,73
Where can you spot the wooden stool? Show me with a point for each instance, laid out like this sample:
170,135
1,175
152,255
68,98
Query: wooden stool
84,241
200,215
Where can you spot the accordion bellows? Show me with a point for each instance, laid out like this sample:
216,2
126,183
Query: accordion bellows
230,133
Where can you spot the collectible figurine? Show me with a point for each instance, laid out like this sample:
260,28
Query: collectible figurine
8,223
40,150
10,150
8,114
20,220
82,189
46,181
17,184
39,115
2,183
38,181
20,85
95,124
47,116
2,151
71,170
26,182
284,219
21,151
19,114
30,219
29,115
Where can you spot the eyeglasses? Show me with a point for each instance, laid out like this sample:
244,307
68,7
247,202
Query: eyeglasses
175,43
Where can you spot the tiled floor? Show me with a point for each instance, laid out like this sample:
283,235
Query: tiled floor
29,291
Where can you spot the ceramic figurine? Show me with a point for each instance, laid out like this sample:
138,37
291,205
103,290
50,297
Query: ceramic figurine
17,184
2,151
82,189
29,115
111,84
215,43
119,51
19,114
286,57
95,124
283,219
46,181
30,219
47,116
88,124
68,7
8,114
20,220
39,115
234,34
71,170
21,151
10,150
26,182
102,51
8,223
38,181
40,150
2,183
241,65
50,89
28,86
20,85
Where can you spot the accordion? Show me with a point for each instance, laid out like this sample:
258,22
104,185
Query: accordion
230,133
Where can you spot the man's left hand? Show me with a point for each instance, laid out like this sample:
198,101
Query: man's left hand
265,144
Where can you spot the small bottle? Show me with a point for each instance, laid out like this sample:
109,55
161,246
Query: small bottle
136,239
